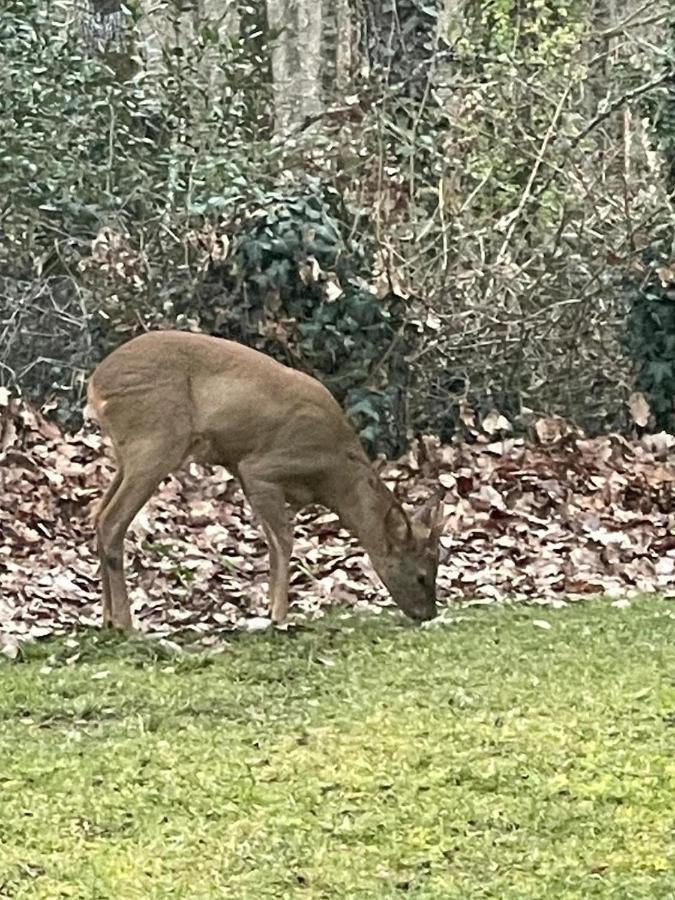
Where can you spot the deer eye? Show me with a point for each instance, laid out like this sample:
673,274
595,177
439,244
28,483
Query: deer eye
421,580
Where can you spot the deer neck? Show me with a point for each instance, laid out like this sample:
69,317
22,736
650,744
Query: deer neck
362,502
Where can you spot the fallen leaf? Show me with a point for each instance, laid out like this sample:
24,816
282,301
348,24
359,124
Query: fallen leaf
495,422
639,408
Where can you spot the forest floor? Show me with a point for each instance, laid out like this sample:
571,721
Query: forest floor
544,522
506,752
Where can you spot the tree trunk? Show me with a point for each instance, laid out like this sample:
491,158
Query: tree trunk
343,46
296,61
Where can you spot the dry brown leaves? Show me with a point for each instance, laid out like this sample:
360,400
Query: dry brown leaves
542,523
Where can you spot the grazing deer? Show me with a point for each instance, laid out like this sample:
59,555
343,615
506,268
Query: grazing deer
169,395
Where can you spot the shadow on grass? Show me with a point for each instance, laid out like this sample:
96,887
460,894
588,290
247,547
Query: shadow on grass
184,649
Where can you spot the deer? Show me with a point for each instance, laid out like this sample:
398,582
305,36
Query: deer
166,397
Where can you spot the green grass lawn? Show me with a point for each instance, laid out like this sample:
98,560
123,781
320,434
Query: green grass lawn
359,758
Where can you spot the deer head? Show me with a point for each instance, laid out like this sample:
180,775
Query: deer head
408,566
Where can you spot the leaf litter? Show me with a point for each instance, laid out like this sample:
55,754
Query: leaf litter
545,522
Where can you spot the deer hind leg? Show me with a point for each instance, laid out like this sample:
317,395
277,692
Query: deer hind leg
110,492
269,506
144,464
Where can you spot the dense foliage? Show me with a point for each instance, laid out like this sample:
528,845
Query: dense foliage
650,326
662,110
449,235
651,340
154,175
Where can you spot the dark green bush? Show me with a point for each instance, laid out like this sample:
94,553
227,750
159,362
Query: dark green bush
296,288
650,338
650,335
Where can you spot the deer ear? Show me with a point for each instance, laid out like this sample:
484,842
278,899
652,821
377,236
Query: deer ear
397,525
430,515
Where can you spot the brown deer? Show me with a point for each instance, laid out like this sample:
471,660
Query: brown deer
169,395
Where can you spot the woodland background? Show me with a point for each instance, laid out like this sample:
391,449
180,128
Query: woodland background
440,209
458,215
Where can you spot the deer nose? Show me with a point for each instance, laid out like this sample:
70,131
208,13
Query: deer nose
428,612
